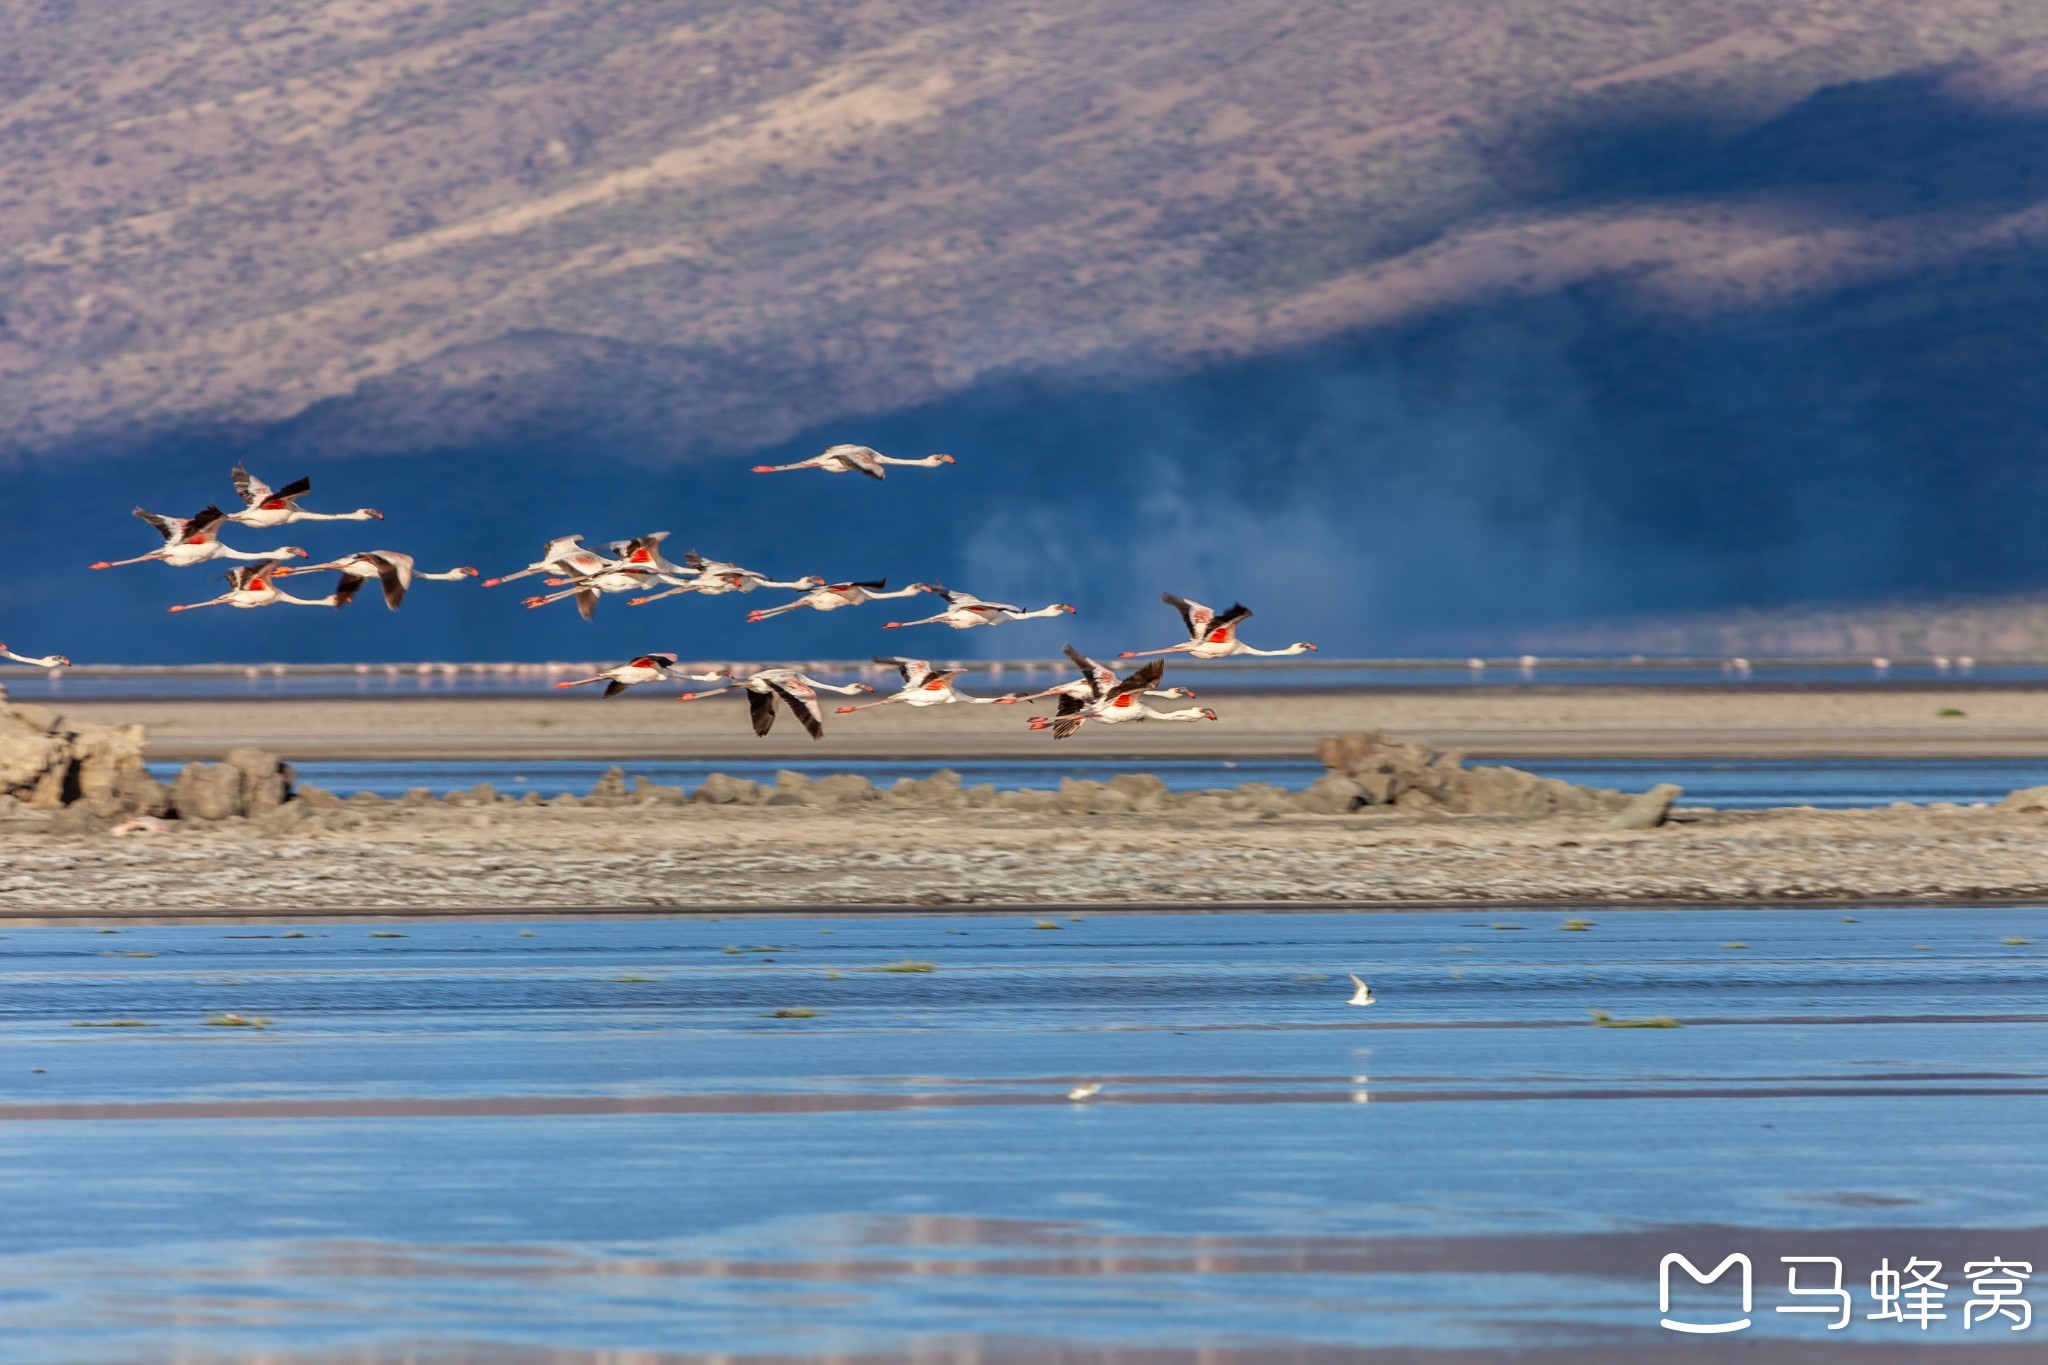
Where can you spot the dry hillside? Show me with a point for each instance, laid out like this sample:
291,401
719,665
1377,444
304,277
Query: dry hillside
739,218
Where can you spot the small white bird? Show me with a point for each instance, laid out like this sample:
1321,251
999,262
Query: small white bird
1081,1093
1361,996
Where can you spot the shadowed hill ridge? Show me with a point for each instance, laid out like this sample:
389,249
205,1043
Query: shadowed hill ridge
712,225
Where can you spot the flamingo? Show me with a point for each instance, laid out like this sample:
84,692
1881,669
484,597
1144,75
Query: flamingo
194,540
630,569
848,459
642,554
1083,689
1212,634
47,661
389,567
645,668
562,555
798,692
1114,704
964,611
923,686
715,578
718,585
265,507
251,586
833,596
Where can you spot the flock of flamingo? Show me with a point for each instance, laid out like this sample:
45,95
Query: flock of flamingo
638,566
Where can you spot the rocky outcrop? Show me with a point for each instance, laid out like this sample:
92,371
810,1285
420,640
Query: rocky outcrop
1646,811
719,790
47,762
207,791
1368,769
246,782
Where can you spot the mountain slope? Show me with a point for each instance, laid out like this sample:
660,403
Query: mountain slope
712,225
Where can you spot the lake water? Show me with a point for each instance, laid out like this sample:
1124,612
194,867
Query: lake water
1719,783
590,1141
993,677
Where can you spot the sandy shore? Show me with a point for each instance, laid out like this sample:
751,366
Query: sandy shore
933,847
536,858
1504,723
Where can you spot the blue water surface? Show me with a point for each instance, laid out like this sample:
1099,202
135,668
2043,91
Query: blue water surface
576,1140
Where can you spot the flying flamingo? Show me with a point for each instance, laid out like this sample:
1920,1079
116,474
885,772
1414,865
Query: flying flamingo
1088,687
642,554
389,567
848,459
715,578
47,661
644,669
251,586
1212,634
794,689
1113,705
629,571
265,507
194,540
964,611
833,596
924,685
562,555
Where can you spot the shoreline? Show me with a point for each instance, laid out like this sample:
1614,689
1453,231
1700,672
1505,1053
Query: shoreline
839,844
1641,722
564,914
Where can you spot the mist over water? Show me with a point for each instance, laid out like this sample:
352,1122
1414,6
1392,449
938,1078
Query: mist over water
1440,488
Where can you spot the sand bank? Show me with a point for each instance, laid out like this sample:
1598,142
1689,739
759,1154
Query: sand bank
1502,723
535,858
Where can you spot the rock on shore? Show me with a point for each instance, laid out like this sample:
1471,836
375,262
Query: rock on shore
92,773
47,763
1369,769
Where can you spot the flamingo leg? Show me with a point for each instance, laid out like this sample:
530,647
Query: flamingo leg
869,705
526,572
